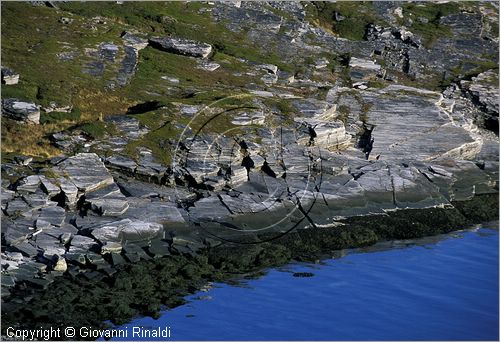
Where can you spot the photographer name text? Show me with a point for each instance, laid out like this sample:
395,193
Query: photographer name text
88,332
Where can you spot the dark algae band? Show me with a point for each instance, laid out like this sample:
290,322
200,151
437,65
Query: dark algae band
147,287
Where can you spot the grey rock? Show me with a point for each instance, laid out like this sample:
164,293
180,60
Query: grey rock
111,247
208,209
156,211
65,20
159,248
23,160
182,46
96,260
65,238
48,185
26,112
135,253
410,122
134,41
269,78
16,232
54,107
249,118
208,66
29,184
15,256
80,246
27,249
117,259
128,231
170,79
9,77
9,264
6,197
86,171
484,87
271,68
70,192
82,241
128,67
108,201
52,215
122,164
16,207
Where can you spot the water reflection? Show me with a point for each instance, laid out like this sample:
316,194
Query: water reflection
440,288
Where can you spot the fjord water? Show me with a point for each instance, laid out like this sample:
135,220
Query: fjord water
439,288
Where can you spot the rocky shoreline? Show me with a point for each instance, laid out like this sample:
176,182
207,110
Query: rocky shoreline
148,286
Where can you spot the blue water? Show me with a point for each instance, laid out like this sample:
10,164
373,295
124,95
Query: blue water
441,288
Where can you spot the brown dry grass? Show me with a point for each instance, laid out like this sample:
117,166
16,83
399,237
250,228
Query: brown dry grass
95,104
28,139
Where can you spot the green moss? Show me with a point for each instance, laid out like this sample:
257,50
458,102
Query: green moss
343,112
494,28
31,39
54,117
285,107
182,19
432,12
467,69
97,129
377,83
22,91
49,173
166,126
160,141
154,63
357,15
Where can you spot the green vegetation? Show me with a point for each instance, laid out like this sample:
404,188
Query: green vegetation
376,83
96,129
468,69
54,117
426,19
33,39
183,19
356,16
343,113
166,125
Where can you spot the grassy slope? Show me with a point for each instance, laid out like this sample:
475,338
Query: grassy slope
32,36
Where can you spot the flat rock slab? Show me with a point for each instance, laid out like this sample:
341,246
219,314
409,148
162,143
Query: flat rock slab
108,201
182,46
409,122
155,211
53,215
128,231
86,171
